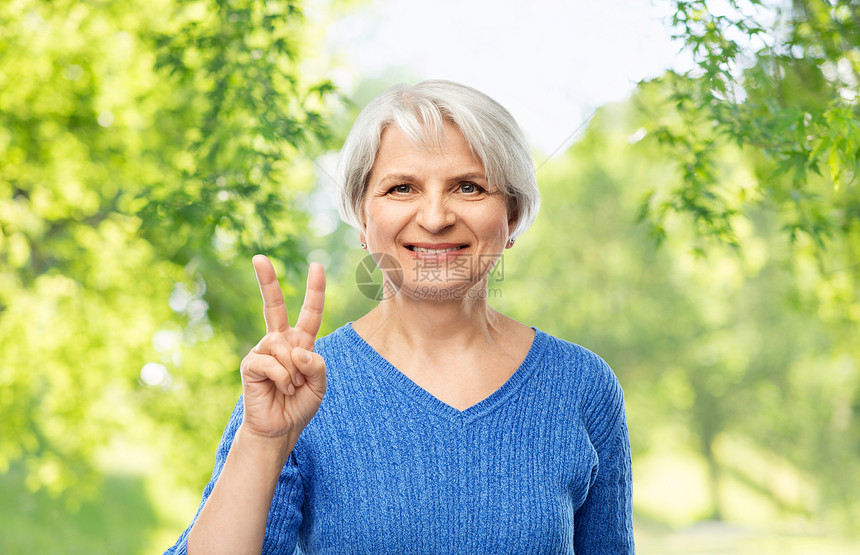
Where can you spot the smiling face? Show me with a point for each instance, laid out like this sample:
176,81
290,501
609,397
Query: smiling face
433,210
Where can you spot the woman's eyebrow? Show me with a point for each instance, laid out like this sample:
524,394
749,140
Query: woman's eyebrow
471,175
405,177
397,177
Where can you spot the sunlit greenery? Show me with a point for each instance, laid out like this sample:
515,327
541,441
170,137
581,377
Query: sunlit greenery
145,152
780,79
702,236
764,138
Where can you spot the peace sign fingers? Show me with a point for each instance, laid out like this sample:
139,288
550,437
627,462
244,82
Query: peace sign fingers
275,311
283,380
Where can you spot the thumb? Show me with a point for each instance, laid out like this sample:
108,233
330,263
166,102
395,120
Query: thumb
312,367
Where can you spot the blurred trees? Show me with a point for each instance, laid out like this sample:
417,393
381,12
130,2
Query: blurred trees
781,80
764,142
143,152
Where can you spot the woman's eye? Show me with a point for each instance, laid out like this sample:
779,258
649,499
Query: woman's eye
401,189
469,187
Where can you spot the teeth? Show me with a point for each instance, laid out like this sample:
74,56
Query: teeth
435,251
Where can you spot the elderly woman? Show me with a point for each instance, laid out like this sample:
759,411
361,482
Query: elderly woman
432,424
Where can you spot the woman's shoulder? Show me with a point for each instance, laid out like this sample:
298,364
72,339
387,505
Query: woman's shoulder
327,341
567,355
338,341
586,372
345,353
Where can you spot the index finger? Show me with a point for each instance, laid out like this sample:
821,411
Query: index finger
274,309
310,316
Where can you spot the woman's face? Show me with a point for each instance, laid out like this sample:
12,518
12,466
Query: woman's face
433,212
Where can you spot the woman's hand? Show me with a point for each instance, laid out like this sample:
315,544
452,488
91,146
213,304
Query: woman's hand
283,380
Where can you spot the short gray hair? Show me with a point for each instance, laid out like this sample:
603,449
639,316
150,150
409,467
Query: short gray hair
420,112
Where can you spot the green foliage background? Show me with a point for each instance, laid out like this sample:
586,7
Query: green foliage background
702,237
147,152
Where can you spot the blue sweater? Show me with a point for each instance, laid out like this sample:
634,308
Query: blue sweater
540,466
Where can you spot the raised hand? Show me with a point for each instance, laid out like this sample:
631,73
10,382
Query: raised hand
283,380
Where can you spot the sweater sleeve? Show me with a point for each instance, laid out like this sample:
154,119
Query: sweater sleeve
285,512
604,523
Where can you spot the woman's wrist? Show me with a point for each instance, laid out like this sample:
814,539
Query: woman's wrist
278,446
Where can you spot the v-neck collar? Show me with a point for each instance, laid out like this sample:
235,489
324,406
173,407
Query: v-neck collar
432,403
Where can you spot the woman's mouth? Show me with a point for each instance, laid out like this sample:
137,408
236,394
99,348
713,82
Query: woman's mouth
436,251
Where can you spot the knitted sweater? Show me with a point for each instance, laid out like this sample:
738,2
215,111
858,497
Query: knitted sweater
540,466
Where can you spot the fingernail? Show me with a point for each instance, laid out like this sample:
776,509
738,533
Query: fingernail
306,357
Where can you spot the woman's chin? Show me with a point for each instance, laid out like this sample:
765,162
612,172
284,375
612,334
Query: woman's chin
442,291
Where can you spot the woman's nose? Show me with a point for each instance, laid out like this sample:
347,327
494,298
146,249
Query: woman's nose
435,215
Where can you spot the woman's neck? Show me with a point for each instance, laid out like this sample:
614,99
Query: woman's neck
429,325
458,351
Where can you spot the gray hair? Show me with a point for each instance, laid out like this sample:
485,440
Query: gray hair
420,112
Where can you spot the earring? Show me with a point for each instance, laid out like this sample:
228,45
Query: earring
510,243
364,246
